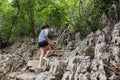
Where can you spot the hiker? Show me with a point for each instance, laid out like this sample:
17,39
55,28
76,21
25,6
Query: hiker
44,44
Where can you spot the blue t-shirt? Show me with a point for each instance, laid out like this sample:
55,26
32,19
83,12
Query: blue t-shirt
42,35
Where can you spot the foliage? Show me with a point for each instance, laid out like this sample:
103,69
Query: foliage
21,18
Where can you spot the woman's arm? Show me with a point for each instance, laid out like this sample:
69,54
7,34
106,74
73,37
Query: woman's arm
47,37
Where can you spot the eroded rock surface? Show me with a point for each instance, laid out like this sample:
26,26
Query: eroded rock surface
97,57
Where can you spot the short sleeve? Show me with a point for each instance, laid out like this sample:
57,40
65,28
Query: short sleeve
46,32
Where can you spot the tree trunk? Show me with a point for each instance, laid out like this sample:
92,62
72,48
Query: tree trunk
118,10
109,18
31,20
12,24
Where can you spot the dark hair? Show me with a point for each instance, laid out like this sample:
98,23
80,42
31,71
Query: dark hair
45,26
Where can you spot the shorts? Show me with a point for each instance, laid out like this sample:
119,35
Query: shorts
43,44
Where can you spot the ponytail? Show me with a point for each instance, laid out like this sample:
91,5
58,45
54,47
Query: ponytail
45,26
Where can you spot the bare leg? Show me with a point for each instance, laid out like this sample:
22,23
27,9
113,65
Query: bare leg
41,55
48,48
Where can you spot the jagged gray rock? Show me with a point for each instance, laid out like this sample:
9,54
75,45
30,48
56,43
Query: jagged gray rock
97,57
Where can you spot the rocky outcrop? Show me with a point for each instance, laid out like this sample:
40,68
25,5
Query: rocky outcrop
97,57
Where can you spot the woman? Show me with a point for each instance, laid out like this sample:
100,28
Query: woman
43,44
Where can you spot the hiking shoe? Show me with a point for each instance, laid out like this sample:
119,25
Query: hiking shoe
45,59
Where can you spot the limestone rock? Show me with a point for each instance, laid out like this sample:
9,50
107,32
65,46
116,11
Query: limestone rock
97,57
77,37
26,76
45,76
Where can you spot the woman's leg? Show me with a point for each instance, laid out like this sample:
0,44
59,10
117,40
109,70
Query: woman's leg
41,55
48,50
